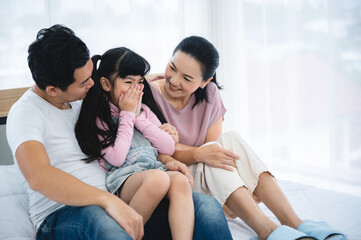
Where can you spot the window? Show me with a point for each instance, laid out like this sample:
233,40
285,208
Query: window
147,27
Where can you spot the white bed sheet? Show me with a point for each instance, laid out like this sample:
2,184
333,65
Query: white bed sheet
342,211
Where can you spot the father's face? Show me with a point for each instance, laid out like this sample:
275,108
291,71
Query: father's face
83,82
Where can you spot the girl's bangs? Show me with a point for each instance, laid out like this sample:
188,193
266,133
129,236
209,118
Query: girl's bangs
133,64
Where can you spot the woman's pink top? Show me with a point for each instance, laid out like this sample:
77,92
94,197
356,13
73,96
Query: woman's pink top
192,124
147,123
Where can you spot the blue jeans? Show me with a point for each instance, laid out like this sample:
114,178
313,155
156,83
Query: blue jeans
93,222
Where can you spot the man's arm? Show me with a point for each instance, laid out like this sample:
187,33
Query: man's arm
62,187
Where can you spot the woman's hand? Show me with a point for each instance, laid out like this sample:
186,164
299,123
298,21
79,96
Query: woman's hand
180,167
171,130
130,100
216,156
174,165
157,78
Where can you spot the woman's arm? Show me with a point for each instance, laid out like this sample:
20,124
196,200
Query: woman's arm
213,154
214,131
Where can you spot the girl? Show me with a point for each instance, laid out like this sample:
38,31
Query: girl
116,128
188,96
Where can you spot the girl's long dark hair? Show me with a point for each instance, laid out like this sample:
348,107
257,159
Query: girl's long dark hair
114,63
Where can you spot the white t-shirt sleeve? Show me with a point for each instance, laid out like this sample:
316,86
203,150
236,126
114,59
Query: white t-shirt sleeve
24,123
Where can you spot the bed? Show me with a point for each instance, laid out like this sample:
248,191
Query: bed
340,210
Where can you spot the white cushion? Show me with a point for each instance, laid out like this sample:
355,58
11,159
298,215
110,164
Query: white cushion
14,218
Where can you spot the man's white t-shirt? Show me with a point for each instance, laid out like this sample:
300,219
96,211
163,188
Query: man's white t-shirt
33,118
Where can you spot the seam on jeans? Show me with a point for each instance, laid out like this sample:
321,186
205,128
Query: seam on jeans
53,225
70,225
81,228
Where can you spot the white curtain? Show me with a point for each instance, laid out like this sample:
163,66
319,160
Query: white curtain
292,76
291,69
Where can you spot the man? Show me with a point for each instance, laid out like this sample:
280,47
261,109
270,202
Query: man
68,197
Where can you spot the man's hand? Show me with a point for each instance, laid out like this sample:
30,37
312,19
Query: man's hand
125,216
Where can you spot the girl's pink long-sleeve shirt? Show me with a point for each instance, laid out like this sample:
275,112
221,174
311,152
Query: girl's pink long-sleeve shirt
147,123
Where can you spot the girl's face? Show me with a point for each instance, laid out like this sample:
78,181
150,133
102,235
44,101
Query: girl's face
121,85
183,76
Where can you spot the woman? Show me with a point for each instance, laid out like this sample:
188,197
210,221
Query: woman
188,97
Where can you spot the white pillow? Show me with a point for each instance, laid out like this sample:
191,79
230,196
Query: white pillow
14,218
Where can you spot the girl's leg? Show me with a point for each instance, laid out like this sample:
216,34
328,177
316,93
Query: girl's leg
269,192
144,190
181,208
244,206
210,223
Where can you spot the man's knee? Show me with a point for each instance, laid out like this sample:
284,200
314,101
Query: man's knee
210,220
90,222
206,207
100,224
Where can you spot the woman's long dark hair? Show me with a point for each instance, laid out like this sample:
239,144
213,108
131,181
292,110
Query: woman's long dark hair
114,63
207,55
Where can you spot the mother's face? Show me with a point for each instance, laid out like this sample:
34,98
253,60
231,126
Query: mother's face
183,75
